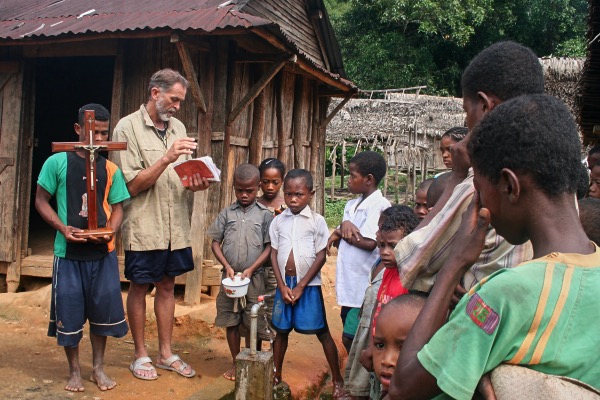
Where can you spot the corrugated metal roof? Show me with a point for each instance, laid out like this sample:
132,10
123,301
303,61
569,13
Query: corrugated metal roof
47,18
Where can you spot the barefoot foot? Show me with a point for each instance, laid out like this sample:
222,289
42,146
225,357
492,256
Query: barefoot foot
74,384
229,374
339,392
103,381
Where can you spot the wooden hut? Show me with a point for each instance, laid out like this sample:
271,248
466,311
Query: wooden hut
589,101
261,74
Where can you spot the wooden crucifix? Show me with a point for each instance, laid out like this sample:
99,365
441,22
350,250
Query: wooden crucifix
92,149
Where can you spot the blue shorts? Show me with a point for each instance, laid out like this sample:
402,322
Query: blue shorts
86,290
151,266
306,316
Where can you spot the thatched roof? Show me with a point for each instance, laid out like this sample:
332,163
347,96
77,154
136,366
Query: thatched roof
561,78
395,117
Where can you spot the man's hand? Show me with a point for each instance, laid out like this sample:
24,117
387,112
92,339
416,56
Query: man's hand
230,272
68,232
470,237
366,358
460,158
334,240
197,182
350,232
100,239
181,146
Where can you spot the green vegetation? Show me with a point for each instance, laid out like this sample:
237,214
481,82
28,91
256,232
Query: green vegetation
404,43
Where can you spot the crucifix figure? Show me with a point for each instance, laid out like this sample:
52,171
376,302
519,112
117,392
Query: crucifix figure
91,149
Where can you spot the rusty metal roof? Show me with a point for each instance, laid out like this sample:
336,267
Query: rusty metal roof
21,19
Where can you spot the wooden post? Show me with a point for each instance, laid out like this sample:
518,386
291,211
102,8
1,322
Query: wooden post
297,130
228,155
343,172
281,148
257,134
333,162
397,172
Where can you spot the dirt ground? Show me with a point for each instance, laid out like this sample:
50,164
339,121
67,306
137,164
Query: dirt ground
32,366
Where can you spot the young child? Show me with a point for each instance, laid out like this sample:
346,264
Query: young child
421,205
272,172
595,181
589,215
543,314
450,138
593,156
241,244
85,277
299,241
355,238
356,377
436,189
391,330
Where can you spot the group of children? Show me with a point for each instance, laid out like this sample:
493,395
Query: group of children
430,299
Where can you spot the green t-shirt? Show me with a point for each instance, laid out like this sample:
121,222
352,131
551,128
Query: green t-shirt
67,170
543,314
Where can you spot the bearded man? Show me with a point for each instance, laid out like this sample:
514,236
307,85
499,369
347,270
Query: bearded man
156,225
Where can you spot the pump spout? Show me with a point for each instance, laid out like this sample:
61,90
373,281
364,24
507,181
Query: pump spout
254,323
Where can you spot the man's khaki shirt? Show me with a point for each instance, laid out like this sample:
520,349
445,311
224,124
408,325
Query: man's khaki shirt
159,216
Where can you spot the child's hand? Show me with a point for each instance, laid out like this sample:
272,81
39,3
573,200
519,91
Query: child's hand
366,358
296,294
460,158
230,272
334,240
350,232
246,274
287,296
459,292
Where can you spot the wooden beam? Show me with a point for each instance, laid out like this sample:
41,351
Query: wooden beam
305,66
257,135
109,47
116,108
190,72
328,119
259,86
233,140
258,58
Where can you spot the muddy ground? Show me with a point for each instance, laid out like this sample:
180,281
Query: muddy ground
32,366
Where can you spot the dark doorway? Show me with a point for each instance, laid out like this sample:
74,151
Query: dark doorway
62,86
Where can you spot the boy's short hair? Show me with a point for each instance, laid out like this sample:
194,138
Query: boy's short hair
405,221
269,163
397,208
532,134
425,184
300,174
246,173
589,214
504,69
583,185
456,133
437,187
413,299
370,162
100,113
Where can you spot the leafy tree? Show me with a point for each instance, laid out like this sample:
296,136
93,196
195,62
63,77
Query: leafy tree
402,43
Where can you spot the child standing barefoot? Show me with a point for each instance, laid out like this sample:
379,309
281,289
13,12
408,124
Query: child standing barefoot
298,241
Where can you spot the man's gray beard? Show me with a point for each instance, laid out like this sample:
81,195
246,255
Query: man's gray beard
162,113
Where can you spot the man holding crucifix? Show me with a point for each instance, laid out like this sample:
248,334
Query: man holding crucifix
85,278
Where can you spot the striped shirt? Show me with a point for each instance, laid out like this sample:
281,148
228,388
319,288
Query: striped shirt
422,254
544,315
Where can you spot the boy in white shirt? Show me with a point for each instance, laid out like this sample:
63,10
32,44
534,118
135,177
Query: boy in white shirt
298,242
355,238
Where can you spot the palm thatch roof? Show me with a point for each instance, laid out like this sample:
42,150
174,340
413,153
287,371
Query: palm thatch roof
561,79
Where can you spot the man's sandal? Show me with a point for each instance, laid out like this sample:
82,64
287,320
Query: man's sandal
171,360
139,365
